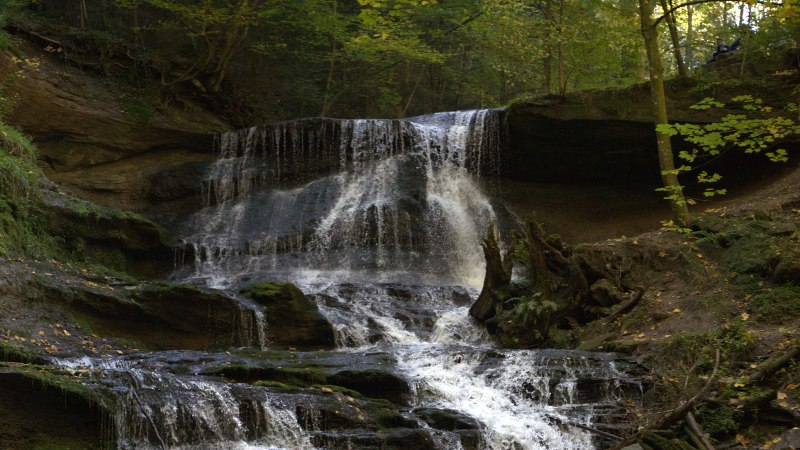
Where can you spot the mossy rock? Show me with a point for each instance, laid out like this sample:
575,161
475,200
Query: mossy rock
756,254
291,376
293,320
373,384
120,240
788,269
10,353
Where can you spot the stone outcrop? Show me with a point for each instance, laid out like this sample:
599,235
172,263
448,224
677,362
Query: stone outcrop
151,315
294,320
120,240
607,137
107,143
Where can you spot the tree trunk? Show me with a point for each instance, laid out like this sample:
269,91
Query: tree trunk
669,177
689,35
547,61
676,43
562,83
84,15
334,48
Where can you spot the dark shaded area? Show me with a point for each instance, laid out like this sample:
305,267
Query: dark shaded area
35,414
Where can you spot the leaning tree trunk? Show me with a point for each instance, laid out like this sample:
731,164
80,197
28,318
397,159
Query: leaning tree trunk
669,176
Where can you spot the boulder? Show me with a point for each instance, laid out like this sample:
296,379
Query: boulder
373,383
293,320
788,269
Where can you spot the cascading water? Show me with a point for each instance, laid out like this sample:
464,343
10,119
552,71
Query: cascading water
379,221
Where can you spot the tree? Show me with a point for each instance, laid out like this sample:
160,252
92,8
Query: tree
217,31
666,161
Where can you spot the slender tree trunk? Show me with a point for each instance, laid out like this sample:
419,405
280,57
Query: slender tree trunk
334,48
680,212
84,15
562,83
746,39
547,61
689,35
676,43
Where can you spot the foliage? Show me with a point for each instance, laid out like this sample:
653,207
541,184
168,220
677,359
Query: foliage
695,350
721,421
535,311
8,9
20,210
756,130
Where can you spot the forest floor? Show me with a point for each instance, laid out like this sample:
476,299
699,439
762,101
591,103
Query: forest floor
729,283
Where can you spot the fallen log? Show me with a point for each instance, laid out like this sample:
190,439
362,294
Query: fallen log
774,364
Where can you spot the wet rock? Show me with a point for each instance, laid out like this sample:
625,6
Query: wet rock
446,419
373,383
397,439
160,315
294,320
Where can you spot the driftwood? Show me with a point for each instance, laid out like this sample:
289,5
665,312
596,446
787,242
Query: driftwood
676,414
774,364
496,284
698,431
547,263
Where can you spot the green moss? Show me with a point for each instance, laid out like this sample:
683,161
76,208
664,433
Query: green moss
698,348
340,389
721,421
11,353
265,290
274,384
776,305
21,210
136,110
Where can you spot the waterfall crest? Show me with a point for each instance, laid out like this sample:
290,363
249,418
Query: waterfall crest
386,197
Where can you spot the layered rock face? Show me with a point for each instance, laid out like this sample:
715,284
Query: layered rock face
104,141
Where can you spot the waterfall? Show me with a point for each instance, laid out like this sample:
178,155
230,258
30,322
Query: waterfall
380,222
369,198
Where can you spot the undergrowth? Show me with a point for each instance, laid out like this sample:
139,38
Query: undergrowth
21,209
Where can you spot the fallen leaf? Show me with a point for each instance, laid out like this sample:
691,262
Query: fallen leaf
676,310
745,316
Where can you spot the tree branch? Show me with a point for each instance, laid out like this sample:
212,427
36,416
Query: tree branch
698,2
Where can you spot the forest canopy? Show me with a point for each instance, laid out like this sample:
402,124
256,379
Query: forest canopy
397,57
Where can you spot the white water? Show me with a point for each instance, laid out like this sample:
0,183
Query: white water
158,410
